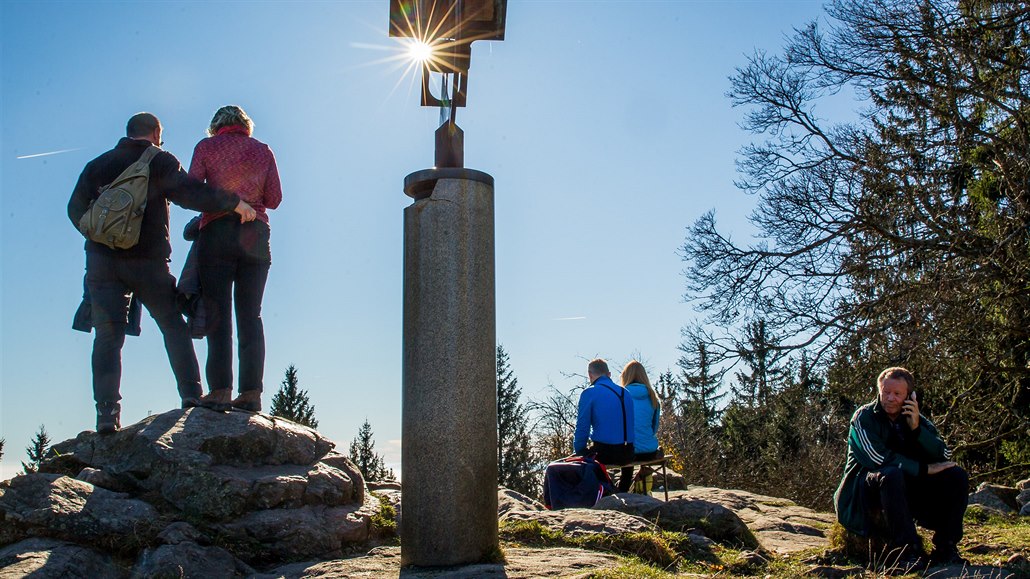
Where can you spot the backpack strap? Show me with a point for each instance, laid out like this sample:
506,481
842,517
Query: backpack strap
149,154
622,405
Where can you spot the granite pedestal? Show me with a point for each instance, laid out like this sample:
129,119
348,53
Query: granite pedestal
449,423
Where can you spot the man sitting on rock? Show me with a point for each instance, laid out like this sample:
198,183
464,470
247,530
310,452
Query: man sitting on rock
898,465
605,418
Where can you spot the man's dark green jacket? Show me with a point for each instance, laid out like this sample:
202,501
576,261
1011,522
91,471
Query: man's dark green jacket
872,447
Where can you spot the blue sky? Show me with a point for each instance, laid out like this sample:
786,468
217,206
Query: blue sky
604,124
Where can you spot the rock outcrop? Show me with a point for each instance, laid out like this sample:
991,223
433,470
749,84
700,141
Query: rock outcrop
780,525
520,563
39,557
996,497
186,493
685,514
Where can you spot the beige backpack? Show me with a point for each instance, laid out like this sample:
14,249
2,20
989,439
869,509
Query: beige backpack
114,218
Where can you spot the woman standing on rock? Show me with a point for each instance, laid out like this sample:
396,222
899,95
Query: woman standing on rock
647,411
234,256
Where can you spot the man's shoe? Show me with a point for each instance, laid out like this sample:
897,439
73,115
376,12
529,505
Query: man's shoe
249,401
109,419
947,556
190,402
217,400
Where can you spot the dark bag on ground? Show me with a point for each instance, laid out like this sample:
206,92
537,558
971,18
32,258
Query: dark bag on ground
577,481
114,218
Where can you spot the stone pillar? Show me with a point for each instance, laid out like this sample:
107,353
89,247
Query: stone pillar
449,422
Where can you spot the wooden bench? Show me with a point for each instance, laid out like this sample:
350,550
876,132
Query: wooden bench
661,462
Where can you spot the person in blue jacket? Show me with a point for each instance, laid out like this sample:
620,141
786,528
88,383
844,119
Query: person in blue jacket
647,411
605,417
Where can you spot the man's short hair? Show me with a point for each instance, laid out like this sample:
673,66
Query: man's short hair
141,125
895,373
598,367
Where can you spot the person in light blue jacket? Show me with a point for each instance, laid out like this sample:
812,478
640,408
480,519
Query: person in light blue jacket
647,411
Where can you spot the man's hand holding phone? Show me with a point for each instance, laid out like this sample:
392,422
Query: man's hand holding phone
910,410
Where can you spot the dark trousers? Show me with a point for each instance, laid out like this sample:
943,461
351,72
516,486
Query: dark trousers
936,502
626,475
234,259
110,281
611,453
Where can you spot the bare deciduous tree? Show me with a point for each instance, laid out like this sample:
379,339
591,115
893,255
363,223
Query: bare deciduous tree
900,237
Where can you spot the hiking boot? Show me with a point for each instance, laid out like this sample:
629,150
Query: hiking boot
218,400
109,417
190,402
947,555
249,401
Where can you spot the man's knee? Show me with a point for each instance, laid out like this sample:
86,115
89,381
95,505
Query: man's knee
890,478
109,334
955,478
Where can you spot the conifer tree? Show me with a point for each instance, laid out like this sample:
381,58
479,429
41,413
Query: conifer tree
667,388
514,447
2,447
292,403
763,375
701,380
363,454
37,450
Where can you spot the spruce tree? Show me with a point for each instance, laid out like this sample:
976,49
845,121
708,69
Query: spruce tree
667,388
363,454
37,450
514,448
763,375
292,403
2,447
701,381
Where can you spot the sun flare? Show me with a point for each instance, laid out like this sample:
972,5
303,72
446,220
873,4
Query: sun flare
420,51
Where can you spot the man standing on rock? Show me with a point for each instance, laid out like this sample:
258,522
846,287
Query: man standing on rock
112,275
898,465
605,418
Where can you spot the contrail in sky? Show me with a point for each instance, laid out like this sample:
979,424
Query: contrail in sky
572,318
47,154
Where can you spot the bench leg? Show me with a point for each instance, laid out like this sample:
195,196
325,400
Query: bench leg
665,481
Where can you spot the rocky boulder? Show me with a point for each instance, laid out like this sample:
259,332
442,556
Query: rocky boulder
509,500
60,507
996,497
684,514
577,522
780,525
188,559
1023,497
191,489
39,557
213,465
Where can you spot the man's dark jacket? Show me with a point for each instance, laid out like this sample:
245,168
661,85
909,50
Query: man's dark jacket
168,182
874,443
